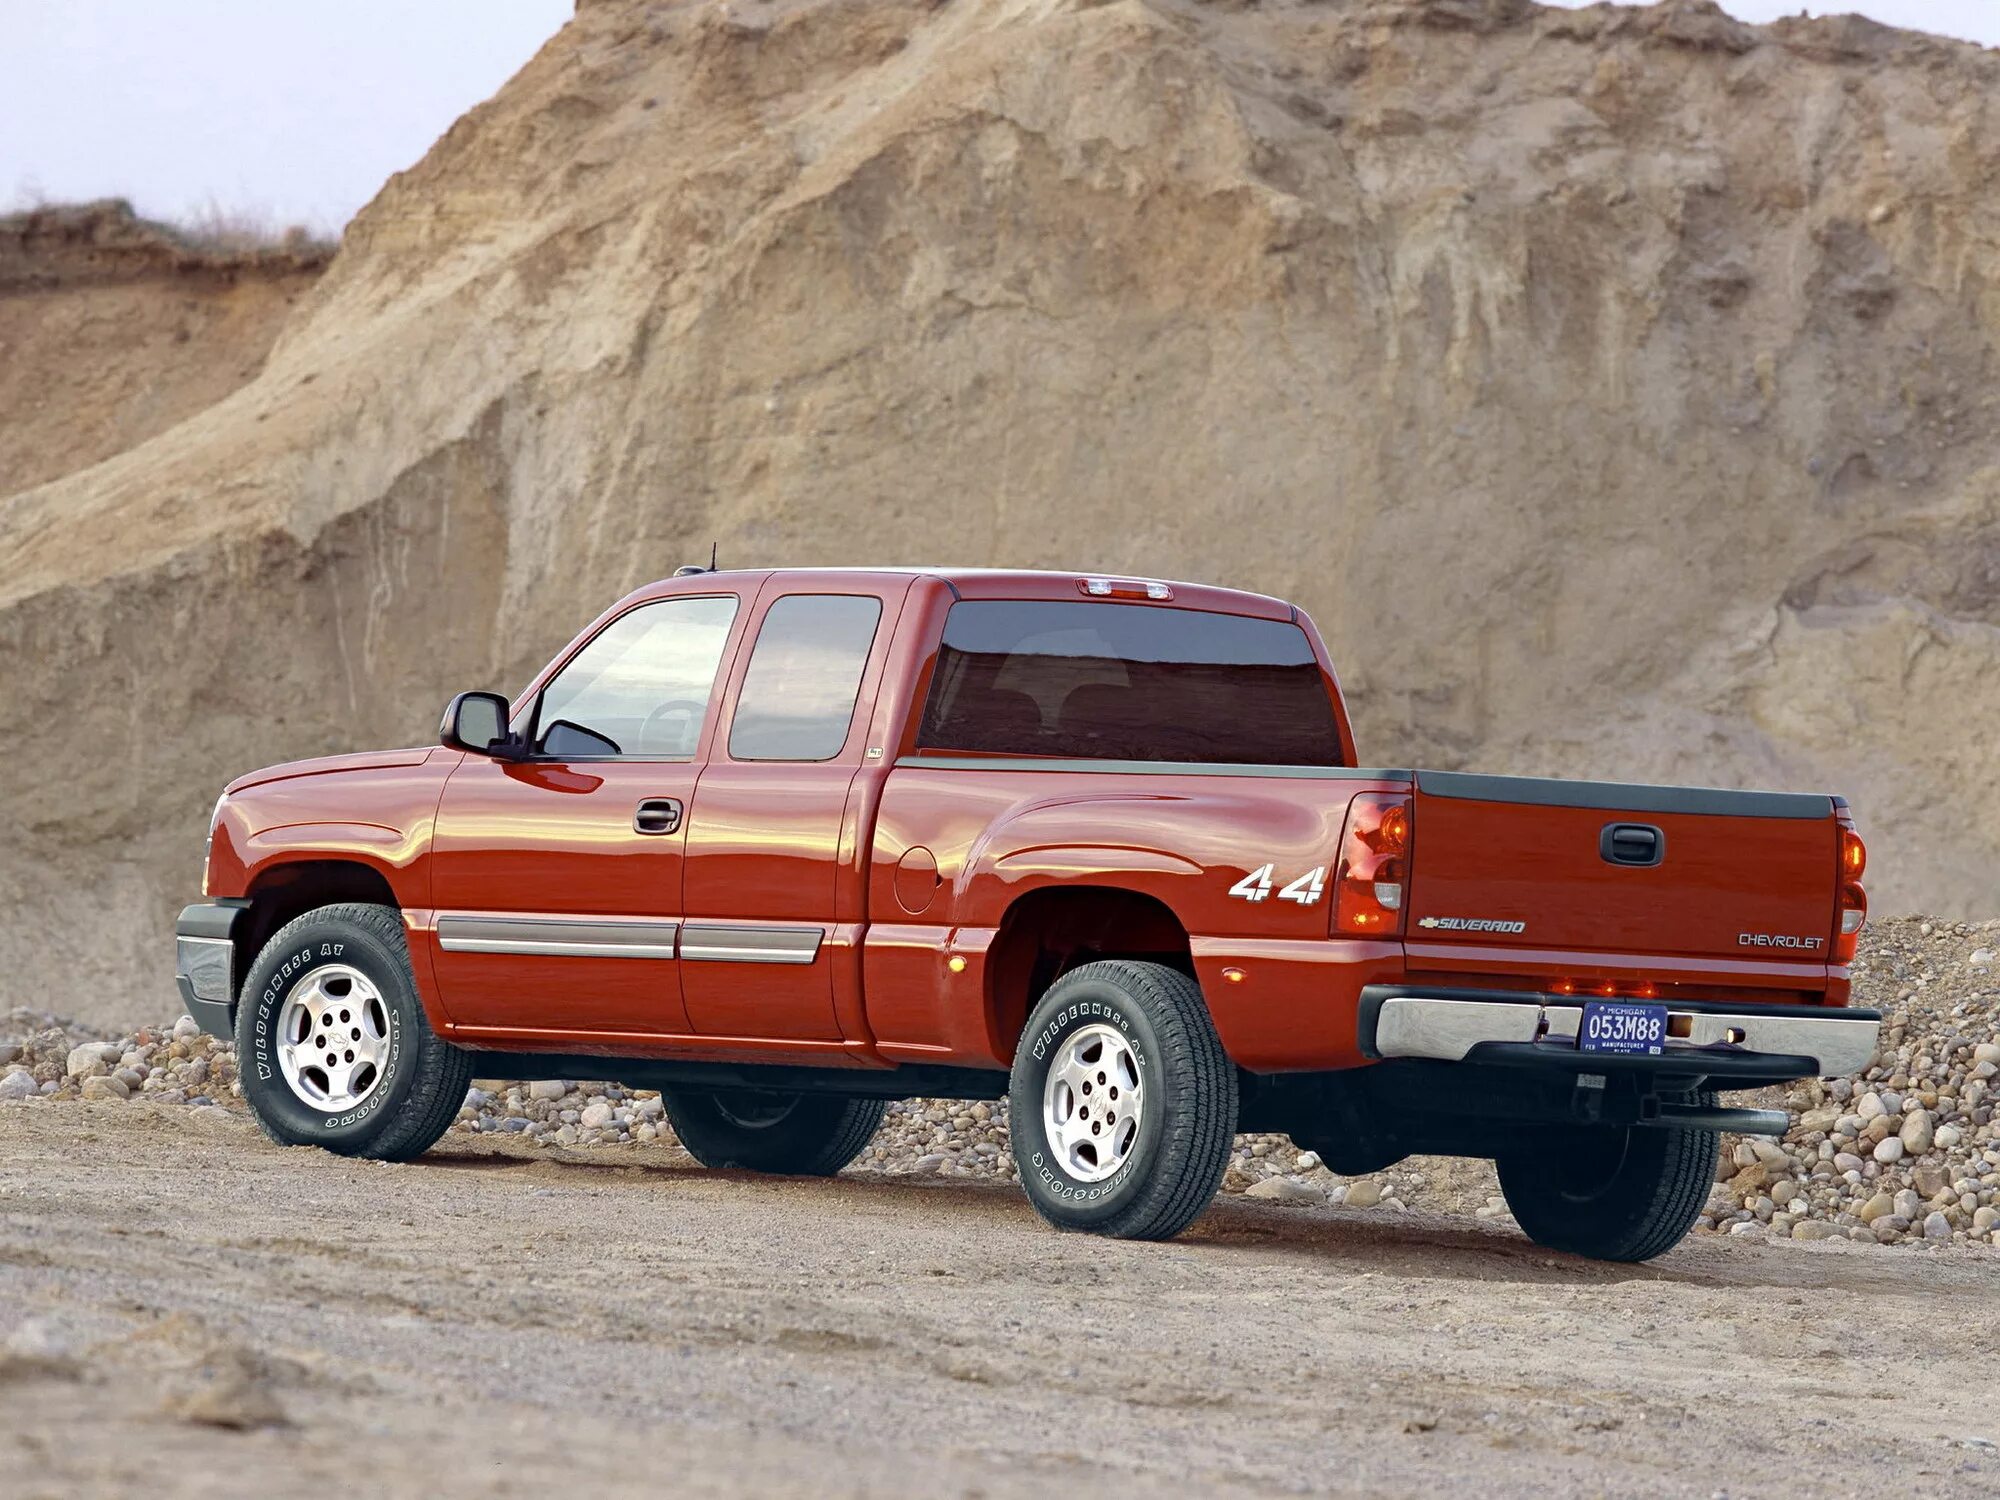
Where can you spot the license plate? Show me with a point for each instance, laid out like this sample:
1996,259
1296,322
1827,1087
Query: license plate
1622,1026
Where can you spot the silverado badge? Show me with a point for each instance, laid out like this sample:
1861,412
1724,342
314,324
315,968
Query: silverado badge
1471,924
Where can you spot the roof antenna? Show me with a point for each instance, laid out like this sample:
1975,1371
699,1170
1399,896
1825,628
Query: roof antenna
689,570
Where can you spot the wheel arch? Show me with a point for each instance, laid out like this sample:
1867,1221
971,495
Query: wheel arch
286,888
1049,930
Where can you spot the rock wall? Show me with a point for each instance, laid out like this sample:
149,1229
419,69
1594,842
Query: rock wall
1616,388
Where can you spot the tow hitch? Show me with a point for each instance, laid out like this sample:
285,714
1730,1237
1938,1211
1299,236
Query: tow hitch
1587,1108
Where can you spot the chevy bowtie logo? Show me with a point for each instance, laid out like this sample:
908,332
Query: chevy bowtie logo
1471,924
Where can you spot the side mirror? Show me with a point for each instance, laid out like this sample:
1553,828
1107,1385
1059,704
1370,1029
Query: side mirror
476,722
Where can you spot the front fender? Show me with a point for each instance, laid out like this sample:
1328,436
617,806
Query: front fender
379,815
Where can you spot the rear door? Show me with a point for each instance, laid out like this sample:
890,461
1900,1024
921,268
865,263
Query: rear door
774,898
1519,863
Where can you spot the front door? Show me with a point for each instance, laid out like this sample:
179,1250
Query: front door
557,879
773,899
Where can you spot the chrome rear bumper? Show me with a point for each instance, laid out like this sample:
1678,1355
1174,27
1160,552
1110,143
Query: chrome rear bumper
1450,1025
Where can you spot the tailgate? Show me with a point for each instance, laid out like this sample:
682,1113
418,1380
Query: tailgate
1520,862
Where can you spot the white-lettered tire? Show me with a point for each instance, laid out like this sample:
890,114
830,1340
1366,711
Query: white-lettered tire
332,1045
1122,1102
765,1130
1613,1194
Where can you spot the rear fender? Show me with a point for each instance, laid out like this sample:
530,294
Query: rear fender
1282,993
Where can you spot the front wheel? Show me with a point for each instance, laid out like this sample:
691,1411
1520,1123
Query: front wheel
1122,1104
333,1045
765,1130
1610,1192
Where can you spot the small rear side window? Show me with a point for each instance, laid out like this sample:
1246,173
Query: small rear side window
797,699
1128,682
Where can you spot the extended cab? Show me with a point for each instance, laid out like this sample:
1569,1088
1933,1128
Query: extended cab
786,845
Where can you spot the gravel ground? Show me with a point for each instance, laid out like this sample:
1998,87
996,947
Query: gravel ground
1907,1155
189,1311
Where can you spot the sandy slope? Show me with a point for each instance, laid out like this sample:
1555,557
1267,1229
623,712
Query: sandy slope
112,331
490,1318
1616,387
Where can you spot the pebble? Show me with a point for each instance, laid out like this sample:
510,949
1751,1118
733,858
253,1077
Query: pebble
1890,1150
547,1088
1937,1227
19,1084
1364,1194
596,1117
1917,1132
103,1086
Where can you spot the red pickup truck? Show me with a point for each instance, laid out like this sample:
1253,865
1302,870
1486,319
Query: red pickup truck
785,845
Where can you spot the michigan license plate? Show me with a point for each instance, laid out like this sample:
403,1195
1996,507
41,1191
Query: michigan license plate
1622,1026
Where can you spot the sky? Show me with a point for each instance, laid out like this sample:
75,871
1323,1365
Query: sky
284,111
280,112
1973,20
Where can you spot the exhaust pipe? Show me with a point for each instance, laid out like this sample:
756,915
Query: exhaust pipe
1771,1122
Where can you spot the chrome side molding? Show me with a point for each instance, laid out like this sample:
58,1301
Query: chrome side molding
703,942
626,937
562,937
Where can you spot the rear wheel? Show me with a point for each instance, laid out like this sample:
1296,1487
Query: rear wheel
1122,1102
1613,1193
803,1135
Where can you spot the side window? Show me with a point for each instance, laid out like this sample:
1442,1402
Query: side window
640,687
797,699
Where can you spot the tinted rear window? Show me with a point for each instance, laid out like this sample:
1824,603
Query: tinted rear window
1128,682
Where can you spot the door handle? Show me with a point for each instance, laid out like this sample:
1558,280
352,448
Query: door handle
657,815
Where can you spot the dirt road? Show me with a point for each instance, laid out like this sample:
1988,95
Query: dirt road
617,1324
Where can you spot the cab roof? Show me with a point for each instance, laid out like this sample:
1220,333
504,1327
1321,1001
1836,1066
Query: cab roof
988,583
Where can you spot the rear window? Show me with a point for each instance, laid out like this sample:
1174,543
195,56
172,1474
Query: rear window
1127,682
798,693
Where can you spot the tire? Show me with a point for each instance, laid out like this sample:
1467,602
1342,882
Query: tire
349,960
798,1135
1146,1174
1613,1193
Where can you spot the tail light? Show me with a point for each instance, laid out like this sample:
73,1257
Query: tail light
1372,879
1853,904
